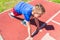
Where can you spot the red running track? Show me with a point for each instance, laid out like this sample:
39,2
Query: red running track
12,29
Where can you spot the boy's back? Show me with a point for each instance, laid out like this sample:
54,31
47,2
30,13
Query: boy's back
22,7
25,9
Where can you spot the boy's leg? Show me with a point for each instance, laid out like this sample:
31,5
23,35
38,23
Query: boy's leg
13,13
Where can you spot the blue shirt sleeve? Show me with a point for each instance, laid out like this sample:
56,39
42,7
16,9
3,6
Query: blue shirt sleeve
27,12
27,16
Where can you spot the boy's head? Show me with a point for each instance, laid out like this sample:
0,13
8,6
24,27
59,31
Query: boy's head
38,10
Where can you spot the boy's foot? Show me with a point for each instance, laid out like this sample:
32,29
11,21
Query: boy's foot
11,14
23,22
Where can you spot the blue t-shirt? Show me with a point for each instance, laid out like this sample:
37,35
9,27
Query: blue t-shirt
25,9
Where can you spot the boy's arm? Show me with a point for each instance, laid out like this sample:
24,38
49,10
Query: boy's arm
29,30
37,23
37,30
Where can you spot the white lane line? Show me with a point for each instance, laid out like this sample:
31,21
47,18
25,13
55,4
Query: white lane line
55,22
6,10
53,17
50,19
1,38
47,36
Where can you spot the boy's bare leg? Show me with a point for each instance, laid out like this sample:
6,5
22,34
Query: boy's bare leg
11,14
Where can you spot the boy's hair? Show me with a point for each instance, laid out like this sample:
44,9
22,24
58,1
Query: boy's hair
39,8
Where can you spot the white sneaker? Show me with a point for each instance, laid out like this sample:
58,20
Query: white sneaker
11,14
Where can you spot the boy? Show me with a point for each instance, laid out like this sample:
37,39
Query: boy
29,12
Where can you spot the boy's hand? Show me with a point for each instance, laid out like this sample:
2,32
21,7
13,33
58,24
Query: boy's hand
29,38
